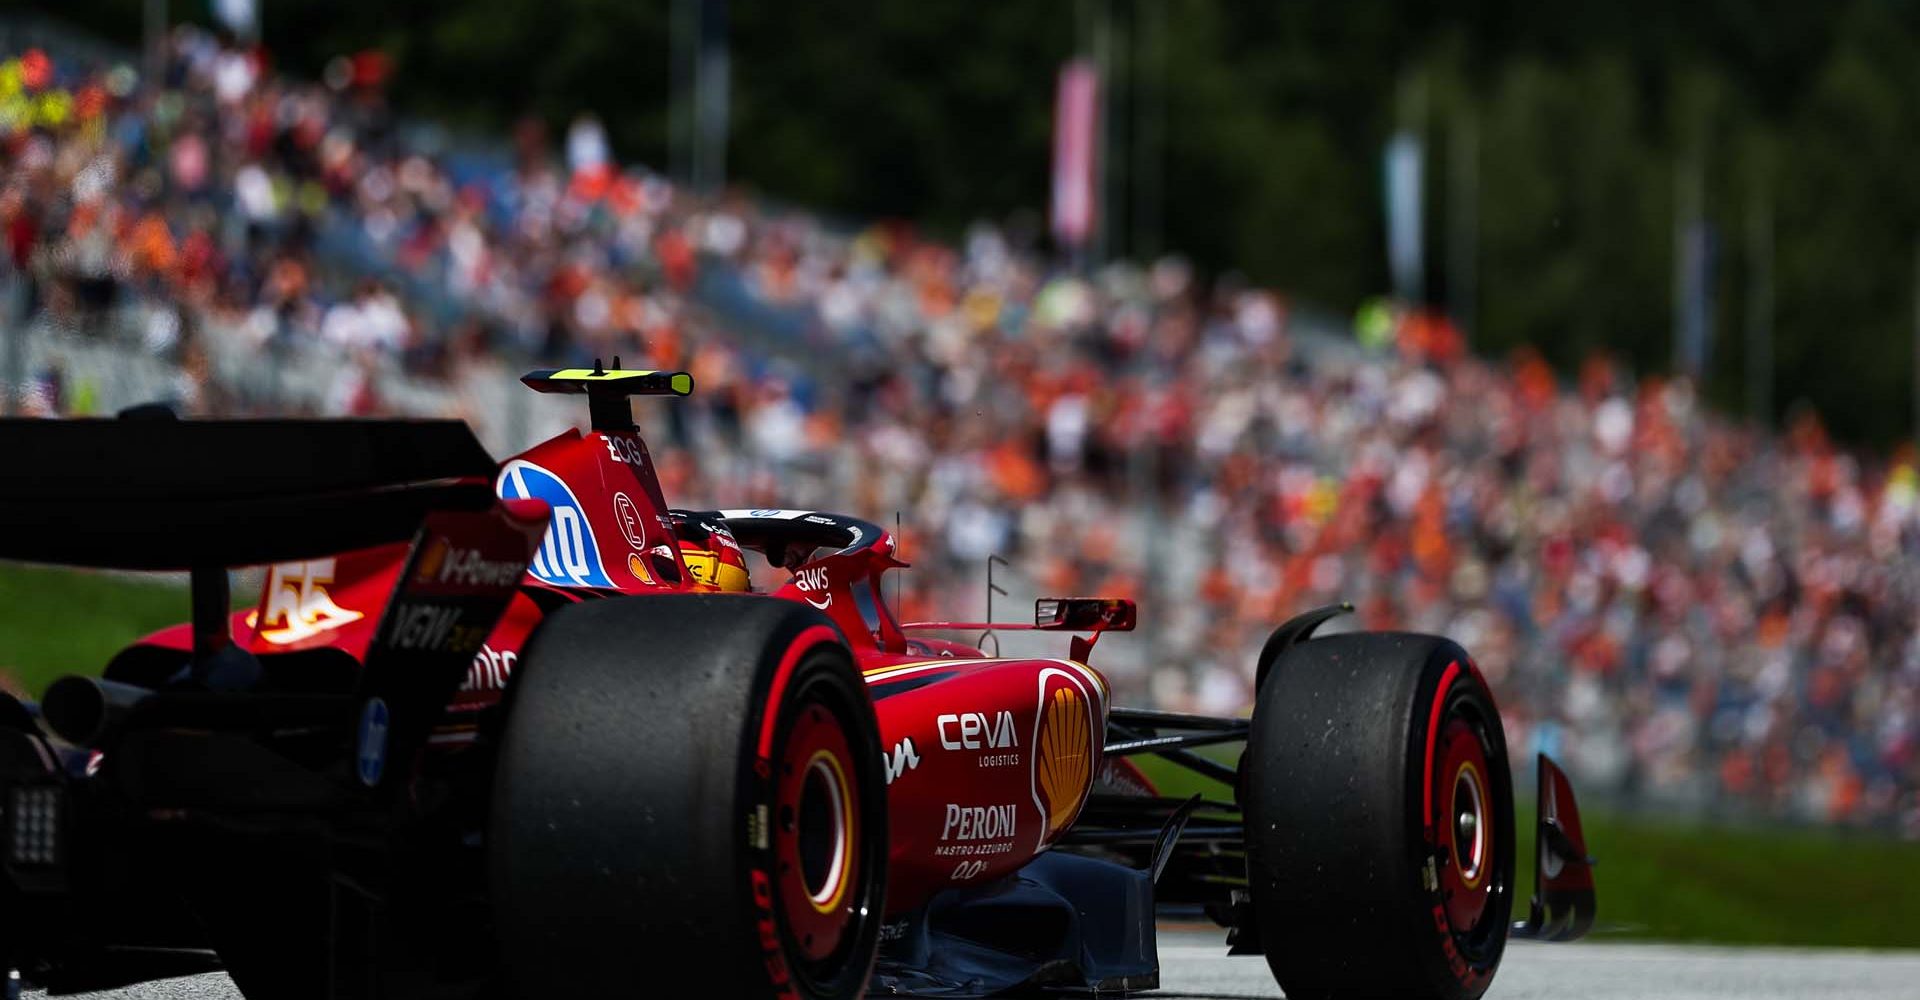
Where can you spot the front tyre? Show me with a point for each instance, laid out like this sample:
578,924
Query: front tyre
1379,813
689,794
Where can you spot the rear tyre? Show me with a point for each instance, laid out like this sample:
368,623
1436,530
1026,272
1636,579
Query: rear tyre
689,794
1379,811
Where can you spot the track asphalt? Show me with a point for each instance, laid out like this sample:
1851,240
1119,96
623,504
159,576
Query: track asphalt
1194,966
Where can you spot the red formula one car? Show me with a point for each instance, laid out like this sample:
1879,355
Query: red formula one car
520,729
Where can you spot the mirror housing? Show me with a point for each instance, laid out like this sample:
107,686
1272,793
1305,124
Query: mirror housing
1083,614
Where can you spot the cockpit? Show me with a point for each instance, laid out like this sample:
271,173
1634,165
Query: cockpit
835,562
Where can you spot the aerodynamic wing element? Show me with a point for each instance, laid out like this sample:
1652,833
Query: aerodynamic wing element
626,382
166,494
1563,904
607,389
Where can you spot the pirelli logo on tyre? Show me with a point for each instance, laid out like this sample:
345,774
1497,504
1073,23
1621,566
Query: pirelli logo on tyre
1063,750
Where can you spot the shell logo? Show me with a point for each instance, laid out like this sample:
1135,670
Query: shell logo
431,560
1063,750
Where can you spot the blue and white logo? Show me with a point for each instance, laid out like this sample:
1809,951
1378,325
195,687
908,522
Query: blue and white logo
569,556
373,741
765,513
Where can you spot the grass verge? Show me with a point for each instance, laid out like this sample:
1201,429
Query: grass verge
62,621
1686,881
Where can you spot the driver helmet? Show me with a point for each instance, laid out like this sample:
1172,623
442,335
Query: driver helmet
711,553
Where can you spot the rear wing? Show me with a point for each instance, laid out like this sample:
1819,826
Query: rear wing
164,494
207,495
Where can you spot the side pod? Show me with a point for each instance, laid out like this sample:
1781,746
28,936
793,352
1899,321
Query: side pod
1563,901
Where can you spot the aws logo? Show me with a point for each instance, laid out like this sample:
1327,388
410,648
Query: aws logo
811,580
569,556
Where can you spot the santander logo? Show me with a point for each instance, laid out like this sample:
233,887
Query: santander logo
904,759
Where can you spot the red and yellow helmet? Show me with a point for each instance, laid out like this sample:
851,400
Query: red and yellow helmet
713,557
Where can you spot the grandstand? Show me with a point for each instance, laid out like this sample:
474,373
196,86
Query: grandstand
1688,612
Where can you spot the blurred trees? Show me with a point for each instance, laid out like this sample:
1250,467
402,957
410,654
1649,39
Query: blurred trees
1590,121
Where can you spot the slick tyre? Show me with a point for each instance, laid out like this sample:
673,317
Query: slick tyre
689,801
1379,814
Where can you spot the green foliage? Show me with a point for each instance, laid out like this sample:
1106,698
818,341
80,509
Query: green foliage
1588,116
927,112
1849,229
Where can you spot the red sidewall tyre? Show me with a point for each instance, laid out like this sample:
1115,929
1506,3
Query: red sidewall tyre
646,831
1379,814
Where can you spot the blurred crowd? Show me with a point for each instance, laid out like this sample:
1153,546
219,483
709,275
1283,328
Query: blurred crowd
1680,607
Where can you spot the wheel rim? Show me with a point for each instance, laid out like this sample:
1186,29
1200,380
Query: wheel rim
816,834
1463,823
823,831
1469,825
